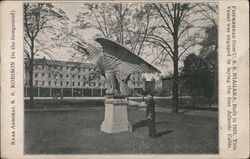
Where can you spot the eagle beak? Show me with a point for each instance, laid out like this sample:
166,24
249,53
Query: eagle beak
81,47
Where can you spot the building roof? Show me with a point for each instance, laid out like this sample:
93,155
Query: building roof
60,63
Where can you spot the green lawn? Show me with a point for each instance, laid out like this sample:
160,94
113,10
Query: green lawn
78,131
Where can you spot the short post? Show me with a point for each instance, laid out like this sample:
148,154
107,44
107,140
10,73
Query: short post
92,92
50,92
26,91
38,91
61,93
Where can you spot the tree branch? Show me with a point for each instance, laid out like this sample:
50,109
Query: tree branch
186,49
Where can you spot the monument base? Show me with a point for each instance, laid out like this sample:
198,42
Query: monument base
116,116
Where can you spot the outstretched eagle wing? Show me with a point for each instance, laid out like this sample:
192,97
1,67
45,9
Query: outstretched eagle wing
126,61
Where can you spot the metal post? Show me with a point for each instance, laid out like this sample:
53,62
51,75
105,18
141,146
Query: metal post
101,92
26,91
92,92
38,91
61,94
82,92
50,92
72,92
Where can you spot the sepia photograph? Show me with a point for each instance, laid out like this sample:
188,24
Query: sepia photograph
120,78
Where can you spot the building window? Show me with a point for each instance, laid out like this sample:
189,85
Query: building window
79,84
49,75
55,83
55,75
79,76
83,77
43,83
92,84
49,83
138,78
61,83
67,76
42,74
73,76
36,74
67,83
61,76
36,83
73,83
84,84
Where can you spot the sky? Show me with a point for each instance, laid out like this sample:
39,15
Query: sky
72,9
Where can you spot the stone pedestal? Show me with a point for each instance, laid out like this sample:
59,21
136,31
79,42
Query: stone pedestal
116,116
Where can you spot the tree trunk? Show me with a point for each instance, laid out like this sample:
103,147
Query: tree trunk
209,102
175,89
194,98
31,103
31,70
176,84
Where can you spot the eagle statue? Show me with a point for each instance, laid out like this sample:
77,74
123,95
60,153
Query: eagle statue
115,62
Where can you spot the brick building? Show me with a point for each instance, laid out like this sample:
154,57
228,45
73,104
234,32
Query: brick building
71,79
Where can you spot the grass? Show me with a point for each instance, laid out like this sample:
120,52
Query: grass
160,102
78,132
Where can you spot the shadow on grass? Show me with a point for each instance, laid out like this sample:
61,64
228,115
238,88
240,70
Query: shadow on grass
161,133
139,124
183,112
163,122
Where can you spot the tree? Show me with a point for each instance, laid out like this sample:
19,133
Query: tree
198,77
209,45
40,21
126,24
171,34
180,27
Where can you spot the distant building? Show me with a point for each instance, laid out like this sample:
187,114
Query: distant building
149,86
71,79
165,86
136,83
